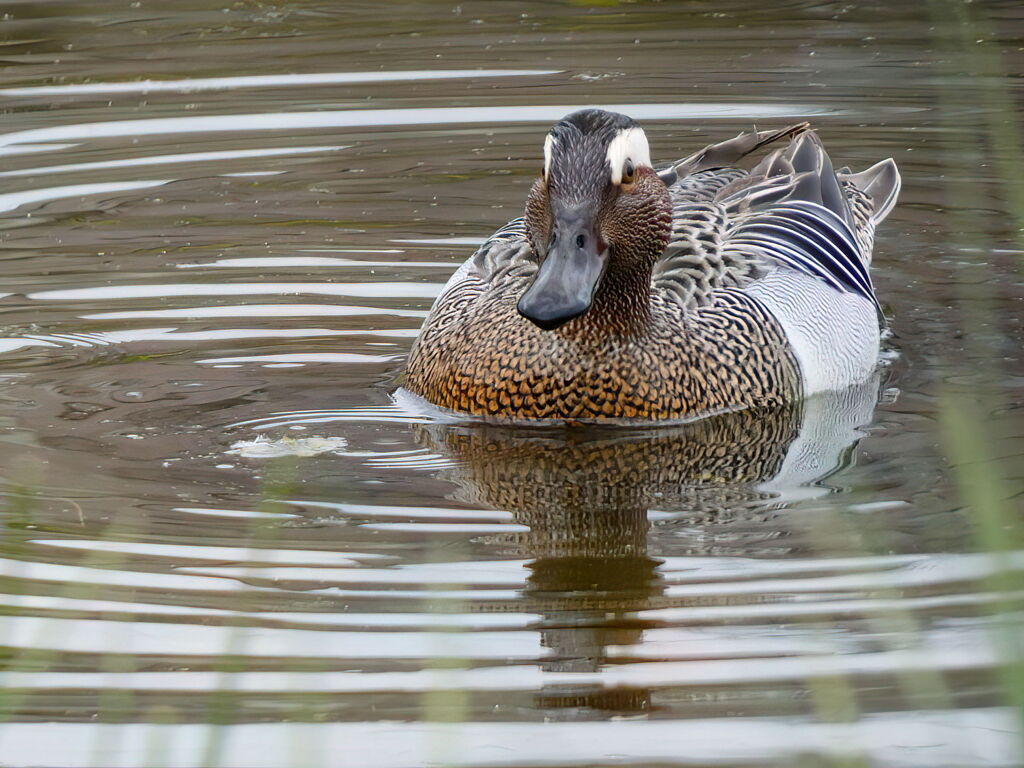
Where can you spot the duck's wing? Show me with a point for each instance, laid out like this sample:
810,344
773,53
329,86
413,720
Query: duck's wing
699,176
792,211
694,264
795,211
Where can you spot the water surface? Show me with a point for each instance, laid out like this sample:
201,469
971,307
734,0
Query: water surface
223,544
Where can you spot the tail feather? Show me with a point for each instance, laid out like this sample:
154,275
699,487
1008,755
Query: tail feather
803,169
819,184
795,209
726,153
881,183
806,166
778,165
806,186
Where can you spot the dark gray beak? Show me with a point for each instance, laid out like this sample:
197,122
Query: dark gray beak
568,278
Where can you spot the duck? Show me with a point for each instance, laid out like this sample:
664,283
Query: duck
629,293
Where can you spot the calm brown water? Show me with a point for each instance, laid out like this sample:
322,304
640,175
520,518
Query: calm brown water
246,247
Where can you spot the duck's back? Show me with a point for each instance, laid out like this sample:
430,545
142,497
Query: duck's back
761,296
795,236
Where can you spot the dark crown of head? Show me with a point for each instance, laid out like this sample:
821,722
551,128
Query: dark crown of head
579,165
591,122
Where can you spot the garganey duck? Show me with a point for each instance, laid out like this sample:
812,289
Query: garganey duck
629,293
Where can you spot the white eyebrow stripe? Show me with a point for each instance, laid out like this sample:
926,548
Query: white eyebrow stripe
628,144
549,145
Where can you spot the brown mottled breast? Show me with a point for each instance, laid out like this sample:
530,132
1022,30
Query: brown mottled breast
477,355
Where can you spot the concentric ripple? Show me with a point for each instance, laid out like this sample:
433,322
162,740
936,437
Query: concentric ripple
225,542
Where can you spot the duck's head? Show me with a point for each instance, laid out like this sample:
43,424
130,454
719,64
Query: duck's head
599,208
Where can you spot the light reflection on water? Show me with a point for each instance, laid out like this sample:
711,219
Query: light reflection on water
263,81
753,589
364,118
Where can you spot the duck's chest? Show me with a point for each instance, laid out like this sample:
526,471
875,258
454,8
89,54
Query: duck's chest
674,366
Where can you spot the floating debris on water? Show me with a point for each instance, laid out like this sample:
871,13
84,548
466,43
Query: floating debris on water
265,448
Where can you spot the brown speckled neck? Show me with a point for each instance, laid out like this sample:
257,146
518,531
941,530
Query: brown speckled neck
622,304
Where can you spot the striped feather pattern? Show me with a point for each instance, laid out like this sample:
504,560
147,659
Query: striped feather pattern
731,227
809,238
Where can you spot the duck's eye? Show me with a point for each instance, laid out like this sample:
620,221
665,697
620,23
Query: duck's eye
627,172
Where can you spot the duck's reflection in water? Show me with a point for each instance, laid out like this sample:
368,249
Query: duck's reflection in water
589,495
